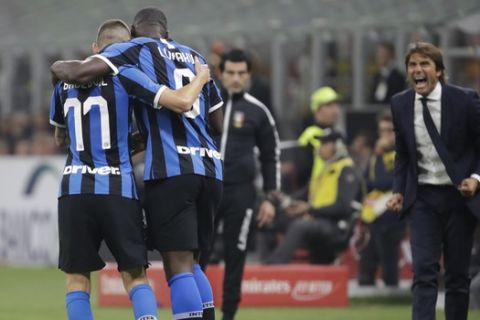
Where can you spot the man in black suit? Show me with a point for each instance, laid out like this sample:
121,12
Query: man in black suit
436,177
388,80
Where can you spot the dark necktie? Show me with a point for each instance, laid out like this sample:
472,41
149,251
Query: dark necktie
439,144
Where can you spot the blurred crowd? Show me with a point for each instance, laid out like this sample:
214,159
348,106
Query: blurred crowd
24,134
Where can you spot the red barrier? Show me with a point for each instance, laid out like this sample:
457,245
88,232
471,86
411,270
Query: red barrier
111,291
295,285
284,285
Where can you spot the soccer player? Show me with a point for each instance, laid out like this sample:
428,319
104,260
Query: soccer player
98,199
183,168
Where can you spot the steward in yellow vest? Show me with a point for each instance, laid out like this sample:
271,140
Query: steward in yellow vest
322,224
326,112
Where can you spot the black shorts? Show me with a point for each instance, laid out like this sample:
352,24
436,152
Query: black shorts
85,220
180,212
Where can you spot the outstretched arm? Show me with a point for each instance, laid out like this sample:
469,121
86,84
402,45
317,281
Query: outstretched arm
80,72
141,87
182,99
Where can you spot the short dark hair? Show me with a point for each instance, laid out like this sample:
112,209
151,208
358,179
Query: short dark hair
235,55
428,50
388,46
151,15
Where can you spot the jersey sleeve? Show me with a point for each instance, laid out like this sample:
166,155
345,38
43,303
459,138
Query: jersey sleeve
267,142
214,96
56,108
120,54
139,86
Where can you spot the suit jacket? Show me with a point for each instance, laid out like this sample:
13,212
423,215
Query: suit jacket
460,132
395,83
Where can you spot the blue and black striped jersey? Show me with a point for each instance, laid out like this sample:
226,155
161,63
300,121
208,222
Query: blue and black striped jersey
176,144
97,118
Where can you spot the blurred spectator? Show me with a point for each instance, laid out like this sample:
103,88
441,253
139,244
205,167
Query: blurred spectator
43,143
259,87
40,122
3,147
322,225
388,79
22,147
386,229
326,112
217,48
17,128
361,150
22,133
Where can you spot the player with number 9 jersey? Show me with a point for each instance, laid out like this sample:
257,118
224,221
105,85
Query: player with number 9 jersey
175,144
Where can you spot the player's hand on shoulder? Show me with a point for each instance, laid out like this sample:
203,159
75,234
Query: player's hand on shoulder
202,71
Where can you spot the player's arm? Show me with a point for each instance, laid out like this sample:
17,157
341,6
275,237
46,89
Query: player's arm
61,137
215,111
141,87
57,118
216,121
182,99
80,72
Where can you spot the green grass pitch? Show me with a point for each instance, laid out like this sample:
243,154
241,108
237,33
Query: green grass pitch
38,293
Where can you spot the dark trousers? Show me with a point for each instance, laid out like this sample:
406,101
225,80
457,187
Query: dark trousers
383,250
237,213
440,223
314,233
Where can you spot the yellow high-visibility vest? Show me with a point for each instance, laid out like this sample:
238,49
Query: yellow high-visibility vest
324,189
310,137
388,159
374,198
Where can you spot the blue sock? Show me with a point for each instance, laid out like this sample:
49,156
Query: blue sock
185,298
78,305
143,302
206,292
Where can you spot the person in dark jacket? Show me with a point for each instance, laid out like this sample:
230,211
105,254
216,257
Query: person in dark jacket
386,229
388,80
436,178
249,136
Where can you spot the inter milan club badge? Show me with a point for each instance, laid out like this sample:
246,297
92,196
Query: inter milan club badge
238,119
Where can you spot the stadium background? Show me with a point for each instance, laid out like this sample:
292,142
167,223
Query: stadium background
298,45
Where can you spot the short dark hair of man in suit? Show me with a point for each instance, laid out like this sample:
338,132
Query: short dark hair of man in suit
436,178
430,51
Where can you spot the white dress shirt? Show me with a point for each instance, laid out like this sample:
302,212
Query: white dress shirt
431,168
